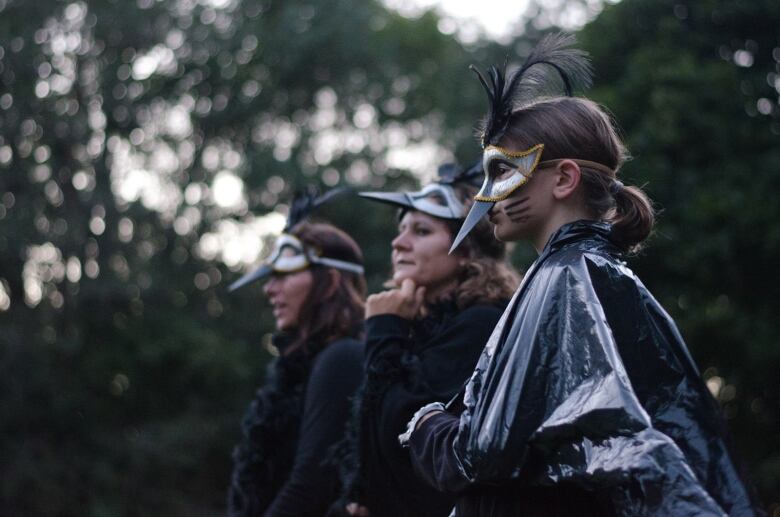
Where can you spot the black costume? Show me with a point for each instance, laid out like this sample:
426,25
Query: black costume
280,466
585,401
408,363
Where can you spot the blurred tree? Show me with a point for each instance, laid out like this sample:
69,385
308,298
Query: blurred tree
141,144
695,86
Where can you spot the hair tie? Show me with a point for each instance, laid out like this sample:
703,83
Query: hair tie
615,187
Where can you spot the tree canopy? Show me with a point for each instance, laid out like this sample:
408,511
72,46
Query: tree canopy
144,146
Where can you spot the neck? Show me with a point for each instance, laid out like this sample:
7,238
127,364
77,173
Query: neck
564,215
436,293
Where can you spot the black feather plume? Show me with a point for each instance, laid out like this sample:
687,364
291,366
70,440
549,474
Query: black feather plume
307,201
551,66
450,174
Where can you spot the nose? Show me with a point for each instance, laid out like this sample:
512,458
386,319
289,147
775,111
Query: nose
401,242
271,286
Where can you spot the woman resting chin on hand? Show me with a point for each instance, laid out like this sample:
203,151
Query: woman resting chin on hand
423,337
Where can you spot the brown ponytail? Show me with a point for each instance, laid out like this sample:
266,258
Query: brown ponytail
577,128
633,218
627,208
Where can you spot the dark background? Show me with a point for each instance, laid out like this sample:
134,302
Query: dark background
124,363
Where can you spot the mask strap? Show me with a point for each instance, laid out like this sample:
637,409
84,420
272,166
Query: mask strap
582,163
338,264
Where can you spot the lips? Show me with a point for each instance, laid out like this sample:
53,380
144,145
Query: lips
402,263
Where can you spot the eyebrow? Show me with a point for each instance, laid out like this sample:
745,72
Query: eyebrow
413,222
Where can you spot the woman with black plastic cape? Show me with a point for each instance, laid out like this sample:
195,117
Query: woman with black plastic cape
315,284
585,400
423,338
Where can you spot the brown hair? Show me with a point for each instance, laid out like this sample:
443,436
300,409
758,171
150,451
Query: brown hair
486,277
578,128
330,312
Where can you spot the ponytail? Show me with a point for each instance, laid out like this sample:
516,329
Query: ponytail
632,219
626,208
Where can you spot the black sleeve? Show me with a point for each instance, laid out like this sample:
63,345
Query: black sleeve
386,336
404,372
430,371
335,375
433,457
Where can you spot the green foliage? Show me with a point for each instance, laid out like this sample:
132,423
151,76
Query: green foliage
704,134
124,364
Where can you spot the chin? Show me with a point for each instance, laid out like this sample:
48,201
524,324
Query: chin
401,276
497,234
511,232
283,325
502,234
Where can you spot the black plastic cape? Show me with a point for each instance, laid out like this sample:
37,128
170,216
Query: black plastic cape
586,380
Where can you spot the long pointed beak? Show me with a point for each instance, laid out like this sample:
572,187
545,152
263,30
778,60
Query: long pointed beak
250,277
393,198
478,210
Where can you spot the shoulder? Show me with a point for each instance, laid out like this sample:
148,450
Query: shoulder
339,354
473,323
578,261
593,276
481,312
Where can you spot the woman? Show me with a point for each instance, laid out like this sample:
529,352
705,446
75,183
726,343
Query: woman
316,288
423,338
585,400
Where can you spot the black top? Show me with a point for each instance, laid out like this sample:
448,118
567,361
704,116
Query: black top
585,396
408,364
280,465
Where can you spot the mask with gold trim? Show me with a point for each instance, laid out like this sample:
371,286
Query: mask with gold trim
290,254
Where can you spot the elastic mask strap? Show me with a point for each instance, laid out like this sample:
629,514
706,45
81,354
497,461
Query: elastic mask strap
582,163
338,264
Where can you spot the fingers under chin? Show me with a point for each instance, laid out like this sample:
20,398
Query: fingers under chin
357,510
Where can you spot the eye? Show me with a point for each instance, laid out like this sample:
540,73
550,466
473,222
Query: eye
421,230
504,171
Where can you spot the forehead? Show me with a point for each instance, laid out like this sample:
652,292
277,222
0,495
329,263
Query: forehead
415,216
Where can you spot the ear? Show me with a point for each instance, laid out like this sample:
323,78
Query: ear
334,277
567,180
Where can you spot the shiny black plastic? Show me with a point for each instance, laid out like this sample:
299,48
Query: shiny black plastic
586,380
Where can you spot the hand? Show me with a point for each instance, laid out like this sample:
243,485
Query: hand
357,510
405,302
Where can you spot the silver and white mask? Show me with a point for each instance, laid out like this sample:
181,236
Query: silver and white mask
436,199
289,256
505,172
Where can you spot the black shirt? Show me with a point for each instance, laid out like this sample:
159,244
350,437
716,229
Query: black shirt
280,465
409,364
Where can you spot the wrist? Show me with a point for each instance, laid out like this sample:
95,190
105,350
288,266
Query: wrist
419,417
